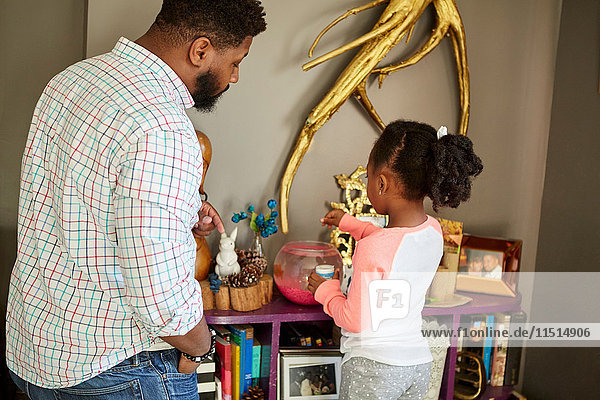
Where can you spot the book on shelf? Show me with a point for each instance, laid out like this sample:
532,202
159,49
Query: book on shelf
501,357
513,353
223,349
256,353
248,356
265,360
475,342
488,344
467,374
219,388
222,332
500,349
238,335
235,371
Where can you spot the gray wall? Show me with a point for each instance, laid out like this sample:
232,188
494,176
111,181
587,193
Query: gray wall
511,49
37,40
569,222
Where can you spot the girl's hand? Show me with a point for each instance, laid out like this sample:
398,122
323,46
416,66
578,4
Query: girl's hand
332,218
315,280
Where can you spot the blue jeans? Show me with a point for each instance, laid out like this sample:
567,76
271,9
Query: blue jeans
147,375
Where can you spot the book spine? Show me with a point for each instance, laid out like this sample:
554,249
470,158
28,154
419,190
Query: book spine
219,389
222,331
223,349
239,337
487,346
248,360
256,349
513,354
499,358
265,363
235,371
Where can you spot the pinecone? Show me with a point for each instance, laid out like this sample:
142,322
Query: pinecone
249,257
250,275
254,393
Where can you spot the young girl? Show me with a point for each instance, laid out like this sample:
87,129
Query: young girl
385,354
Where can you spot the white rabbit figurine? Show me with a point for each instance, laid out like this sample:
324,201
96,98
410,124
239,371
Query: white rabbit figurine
227,259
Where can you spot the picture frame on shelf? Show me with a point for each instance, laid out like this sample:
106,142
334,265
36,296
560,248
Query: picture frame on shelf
489,265
314,375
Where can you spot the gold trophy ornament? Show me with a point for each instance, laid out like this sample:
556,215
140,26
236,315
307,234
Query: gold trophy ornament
397,20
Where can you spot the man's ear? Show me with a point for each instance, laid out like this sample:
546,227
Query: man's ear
201,52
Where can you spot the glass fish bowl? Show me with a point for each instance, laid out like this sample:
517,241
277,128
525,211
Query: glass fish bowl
294,264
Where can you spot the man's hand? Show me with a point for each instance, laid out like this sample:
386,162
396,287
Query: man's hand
315,280
209,220
186,366
196,342
332,218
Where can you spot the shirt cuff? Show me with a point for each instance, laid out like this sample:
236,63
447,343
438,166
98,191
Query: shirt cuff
346,220
327,290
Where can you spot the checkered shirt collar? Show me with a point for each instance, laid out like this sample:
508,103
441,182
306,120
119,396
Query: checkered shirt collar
135,53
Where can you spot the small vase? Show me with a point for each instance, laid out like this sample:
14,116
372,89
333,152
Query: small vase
257,246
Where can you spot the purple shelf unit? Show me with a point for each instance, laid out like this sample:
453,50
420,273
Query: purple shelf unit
273,314
281,310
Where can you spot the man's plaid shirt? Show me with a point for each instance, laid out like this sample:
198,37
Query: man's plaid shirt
108,198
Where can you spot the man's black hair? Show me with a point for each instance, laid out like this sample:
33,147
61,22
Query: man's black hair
441,169
225,22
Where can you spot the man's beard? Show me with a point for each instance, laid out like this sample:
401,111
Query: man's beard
206,85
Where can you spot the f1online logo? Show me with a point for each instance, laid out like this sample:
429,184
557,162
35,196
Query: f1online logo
388,299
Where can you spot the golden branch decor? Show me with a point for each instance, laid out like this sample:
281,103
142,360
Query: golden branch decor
397,20
355,194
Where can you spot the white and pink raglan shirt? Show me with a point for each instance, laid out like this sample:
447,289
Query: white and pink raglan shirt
381,315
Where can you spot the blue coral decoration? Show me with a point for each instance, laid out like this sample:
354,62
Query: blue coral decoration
215,282
265,225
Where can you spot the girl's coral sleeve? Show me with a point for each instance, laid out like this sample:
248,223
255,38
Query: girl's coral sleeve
352,313
345,314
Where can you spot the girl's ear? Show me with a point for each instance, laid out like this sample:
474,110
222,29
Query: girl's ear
382,183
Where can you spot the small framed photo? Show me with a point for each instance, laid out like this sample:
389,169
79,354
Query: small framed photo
310,376
489,265
376,219
482,263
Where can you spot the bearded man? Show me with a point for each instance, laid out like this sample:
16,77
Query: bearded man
103,303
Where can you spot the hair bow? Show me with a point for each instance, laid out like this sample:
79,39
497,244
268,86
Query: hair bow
443,131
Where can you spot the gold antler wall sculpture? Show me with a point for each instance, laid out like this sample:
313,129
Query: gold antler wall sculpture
397,20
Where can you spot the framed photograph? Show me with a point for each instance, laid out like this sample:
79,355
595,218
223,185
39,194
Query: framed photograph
310,376
489,265
483,263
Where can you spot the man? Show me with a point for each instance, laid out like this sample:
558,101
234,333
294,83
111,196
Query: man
104,277
491,267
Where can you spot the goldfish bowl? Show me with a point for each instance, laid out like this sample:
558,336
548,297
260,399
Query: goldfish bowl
294,264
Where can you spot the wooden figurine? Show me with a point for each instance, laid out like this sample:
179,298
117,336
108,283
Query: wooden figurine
203,256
